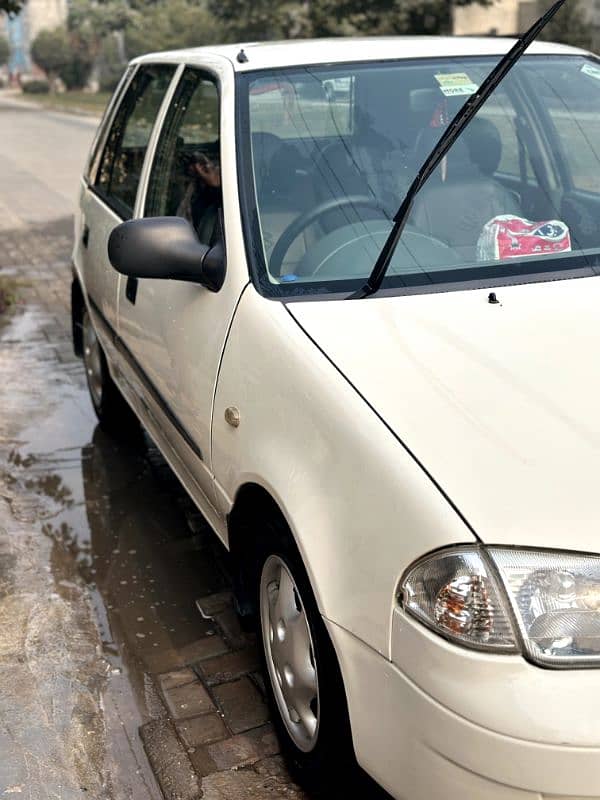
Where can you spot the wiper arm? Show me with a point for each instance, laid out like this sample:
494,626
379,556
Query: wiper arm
454,130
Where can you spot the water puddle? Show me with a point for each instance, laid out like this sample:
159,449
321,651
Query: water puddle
90,520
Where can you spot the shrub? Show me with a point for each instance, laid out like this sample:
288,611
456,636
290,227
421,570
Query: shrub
4,50
50,50
8,294
36,87
75,72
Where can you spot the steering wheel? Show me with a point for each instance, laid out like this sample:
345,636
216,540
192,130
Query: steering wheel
295,228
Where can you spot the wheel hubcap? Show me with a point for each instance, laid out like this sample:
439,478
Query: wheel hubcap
290,653
92,360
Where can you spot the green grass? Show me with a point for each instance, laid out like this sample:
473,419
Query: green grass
8,294
72,101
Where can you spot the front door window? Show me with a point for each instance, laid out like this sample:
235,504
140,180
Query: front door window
185,180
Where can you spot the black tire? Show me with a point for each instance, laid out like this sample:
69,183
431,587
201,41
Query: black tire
113,412
331,760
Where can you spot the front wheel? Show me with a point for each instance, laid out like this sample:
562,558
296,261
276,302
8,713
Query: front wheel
290,653
303,679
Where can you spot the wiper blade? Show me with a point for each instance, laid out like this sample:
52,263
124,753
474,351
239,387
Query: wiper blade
454,130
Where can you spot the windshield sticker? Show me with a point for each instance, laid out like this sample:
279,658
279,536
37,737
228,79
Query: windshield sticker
508,236
456,84
592,71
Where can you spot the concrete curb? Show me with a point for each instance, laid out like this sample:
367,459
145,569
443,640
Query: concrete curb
17,101
169,761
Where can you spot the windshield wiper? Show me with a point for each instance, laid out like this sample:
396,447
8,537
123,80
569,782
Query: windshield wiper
454,130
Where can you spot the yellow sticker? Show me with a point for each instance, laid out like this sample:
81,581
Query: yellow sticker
456,84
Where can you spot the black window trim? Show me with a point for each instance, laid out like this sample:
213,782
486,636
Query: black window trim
150,387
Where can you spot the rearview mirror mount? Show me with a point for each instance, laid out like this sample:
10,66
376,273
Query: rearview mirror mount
165,248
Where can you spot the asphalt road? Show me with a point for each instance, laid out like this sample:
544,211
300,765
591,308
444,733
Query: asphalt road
41,161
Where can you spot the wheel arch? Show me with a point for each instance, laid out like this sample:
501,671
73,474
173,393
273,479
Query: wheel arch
252,503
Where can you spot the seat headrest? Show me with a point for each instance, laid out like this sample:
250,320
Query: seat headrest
459,163
484,143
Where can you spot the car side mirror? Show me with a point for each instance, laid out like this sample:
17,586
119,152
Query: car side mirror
167,248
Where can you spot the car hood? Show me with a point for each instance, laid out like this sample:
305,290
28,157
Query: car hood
500,403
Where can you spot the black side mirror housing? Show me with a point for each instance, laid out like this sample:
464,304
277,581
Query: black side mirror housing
167,248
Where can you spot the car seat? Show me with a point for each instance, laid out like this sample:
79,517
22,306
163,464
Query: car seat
365,165
455,205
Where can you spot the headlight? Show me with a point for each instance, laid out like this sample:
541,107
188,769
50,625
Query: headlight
556,601
496,599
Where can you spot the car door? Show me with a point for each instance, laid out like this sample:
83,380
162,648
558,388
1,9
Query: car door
175,331
109,197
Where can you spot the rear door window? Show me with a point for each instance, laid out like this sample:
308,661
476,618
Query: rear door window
123,157
96,149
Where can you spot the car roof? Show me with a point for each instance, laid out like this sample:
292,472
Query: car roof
295,52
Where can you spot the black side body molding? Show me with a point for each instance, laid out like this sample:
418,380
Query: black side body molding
134,364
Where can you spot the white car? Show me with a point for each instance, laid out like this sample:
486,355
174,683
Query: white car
407,479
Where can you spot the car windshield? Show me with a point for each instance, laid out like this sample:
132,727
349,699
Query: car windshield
328,153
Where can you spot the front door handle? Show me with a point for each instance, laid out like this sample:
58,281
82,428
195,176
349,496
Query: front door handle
85,236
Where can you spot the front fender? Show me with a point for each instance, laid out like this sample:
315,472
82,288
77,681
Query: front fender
360,507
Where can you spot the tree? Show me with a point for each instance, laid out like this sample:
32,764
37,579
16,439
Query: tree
91,23
58,55
571,25
381,17
96,31
11,6
268,19
4,50
170,24
262,20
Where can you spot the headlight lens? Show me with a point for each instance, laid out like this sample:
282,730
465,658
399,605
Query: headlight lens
556,601
491,598
454,593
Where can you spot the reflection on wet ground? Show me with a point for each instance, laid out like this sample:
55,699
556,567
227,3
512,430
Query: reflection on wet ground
112,511
103,558
69,718
146,554
115,508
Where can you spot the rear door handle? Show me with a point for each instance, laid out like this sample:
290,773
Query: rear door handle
85,236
